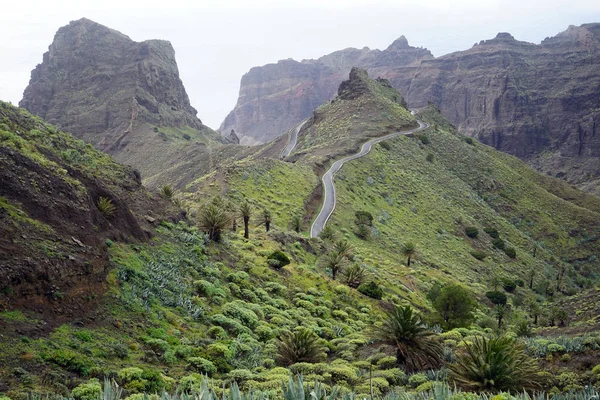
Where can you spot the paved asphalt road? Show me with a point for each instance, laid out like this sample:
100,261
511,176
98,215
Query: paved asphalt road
292,140
329,187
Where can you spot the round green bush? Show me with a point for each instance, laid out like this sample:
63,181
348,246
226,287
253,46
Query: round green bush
372,290
278,259
88,391
471,231
493,232
496,297
511,252
417,380
201,365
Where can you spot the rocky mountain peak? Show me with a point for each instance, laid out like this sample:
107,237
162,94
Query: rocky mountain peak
399,44
113,92
355,86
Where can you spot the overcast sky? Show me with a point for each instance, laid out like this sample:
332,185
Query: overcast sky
216,42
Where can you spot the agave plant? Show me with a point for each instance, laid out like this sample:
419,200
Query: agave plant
106,206
493,365
167,192
299,346
416,346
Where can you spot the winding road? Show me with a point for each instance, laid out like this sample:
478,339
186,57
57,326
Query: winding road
327,179
292,140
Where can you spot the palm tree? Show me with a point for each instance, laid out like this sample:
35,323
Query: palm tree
334,261
296,223
267,218
246,212
299,346
354,275
494,365
213,219
343,248
416,346
327,233
409,250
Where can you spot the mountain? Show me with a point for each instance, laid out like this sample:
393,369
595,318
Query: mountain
175,309
124,97
54,232
538,102
275,97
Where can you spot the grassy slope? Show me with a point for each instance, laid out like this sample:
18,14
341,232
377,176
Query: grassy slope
431,203
165,296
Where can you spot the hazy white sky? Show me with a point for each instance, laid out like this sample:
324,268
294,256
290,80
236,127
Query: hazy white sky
216,42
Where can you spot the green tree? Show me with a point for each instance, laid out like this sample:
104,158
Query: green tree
344,248
455,306
494,365
334,261
416,346
213,220
246,213
267,219
409,250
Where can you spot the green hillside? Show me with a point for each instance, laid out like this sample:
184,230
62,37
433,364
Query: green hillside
172,307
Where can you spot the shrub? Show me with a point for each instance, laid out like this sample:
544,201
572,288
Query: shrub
278,259
498,243
385,145
363,218
478,254
424,139
87,391
493,232
511,252
417,379
455,305
106,206
371,290
469,141
471,231
496,297
429,157
509,285
387,362
201,365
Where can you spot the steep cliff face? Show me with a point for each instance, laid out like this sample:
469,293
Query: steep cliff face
538,102
124,97
275,97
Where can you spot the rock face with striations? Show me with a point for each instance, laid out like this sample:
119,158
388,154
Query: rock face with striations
538,102
275,97
115,93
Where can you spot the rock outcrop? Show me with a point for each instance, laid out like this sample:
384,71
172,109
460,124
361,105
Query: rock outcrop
114,93
538,102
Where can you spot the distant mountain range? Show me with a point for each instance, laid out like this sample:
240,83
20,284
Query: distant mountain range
538,102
